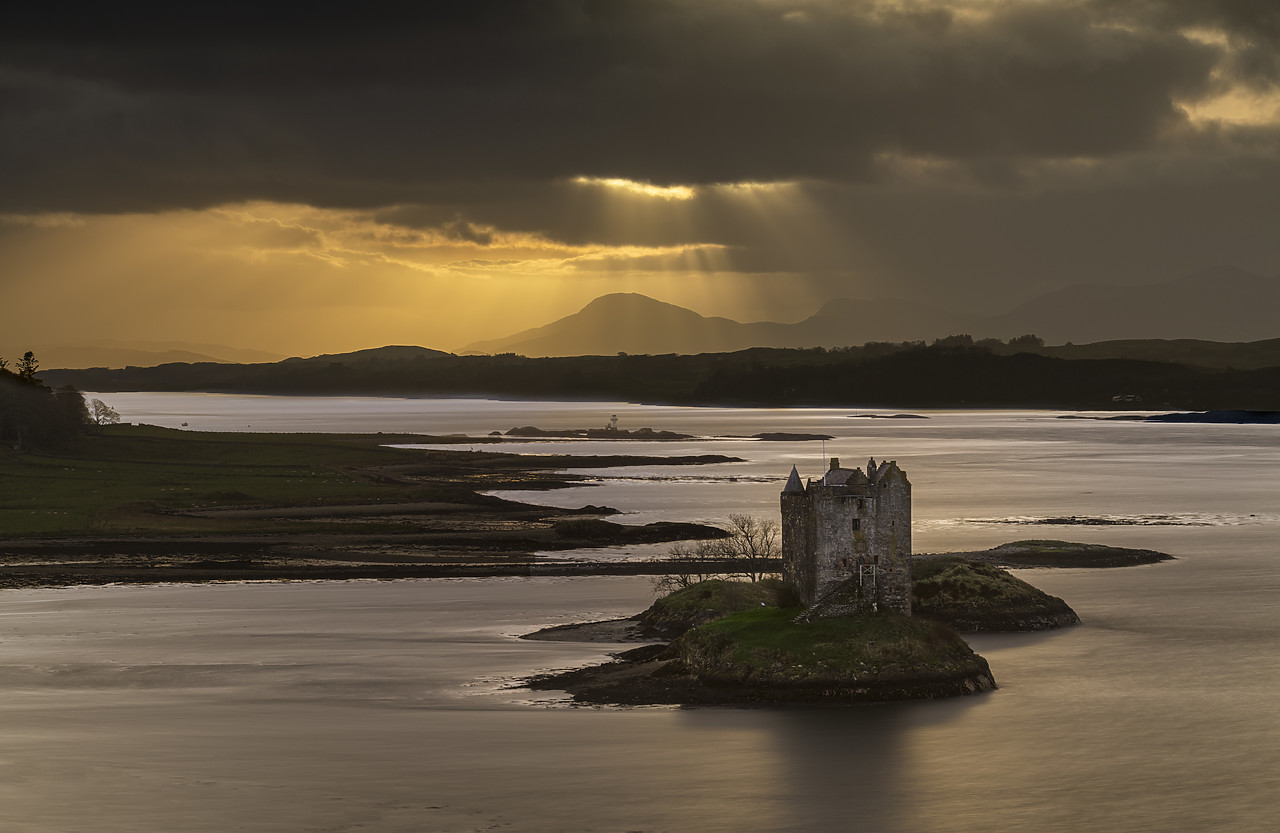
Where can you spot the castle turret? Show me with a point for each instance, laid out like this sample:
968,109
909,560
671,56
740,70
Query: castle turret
797,570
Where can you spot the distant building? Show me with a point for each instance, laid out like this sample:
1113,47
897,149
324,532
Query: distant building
849,531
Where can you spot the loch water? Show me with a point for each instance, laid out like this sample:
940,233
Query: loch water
389,706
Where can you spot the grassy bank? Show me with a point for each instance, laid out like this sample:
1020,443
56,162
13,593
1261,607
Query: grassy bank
707,601
144,504
141,479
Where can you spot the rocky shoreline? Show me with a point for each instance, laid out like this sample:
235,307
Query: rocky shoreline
635,681
864,659
951,591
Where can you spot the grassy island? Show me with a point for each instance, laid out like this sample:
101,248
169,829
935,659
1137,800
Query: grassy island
738,646
738,643
1043,553
973,596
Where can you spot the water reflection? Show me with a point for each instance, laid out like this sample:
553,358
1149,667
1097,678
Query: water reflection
380,706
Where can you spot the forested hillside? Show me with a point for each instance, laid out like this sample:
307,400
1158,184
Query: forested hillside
949,373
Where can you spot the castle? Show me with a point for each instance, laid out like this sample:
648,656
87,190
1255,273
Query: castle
846,539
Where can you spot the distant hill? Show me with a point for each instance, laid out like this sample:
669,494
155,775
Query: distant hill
145,354
956,373
842,322
1224,304
627,322
624,322
1220,304
372,356
394,368
1194,352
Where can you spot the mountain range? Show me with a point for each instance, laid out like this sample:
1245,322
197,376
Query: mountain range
1225,304
146,354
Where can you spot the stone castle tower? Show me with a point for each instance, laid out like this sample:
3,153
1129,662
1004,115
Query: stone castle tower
849,531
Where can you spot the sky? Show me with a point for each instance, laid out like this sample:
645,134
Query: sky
310,180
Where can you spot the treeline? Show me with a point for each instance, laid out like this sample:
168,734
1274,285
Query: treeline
34,415
949,377
949,373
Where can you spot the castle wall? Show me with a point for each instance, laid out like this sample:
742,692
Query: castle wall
893,544
838,546
829,531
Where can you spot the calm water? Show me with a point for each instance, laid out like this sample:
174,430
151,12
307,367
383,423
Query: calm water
384,706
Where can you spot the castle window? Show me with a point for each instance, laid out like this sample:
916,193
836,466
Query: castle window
857,524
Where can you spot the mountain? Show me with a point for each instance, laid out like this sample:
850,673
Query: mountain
842,322
624,322
633,323
1224,303
1221,304
627,322
112,353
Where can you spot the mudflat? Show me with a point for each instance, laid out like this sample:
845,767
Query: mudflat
146,504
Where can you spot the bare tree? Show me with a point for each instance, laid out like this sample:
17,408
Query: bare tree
691,563
102,414
754,541
750,551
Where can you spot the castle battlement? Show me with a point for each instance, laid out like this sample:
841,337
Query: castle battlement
850,530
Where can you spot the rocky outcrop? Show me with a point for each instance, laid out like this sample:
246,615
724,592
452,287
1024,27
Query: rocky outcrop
973,596
763,656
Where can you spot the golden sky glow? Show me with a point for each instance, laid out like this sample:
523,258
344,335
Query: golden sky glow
349,183
669,192
299,279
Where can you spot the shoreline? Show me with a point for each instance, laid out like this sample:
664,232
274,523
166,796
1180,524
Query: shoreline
141,504
176,560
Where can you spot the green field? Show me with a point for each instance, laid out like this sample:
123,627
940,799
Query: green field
128,479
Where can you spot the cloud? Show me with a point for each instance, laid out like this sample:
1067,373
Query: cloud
437,104
462,230
522,157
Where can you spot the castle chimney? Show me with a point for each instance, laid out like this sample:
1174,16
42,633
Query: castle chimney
835,463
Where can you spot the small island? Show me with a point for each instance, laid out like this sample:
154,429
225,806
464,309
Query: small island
748,648
611,432
854,618
740,643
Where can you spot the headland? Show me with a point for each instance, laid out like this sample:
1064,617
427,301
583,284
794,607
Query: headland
142,504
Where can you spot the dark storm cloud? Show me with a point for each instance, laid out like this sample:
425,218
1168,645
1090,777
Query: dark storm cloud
1251,26
117,109
462,230
1250,19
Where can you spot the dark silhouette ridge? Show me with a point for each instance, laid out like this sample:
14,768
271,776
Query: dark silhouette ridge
1223,303
876,376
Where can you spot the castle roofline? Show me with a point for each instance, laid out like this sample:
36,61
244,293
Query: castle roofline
845,477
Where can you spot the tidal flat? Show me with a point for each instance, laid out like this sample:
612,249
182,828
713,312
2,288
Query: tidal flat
145,504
